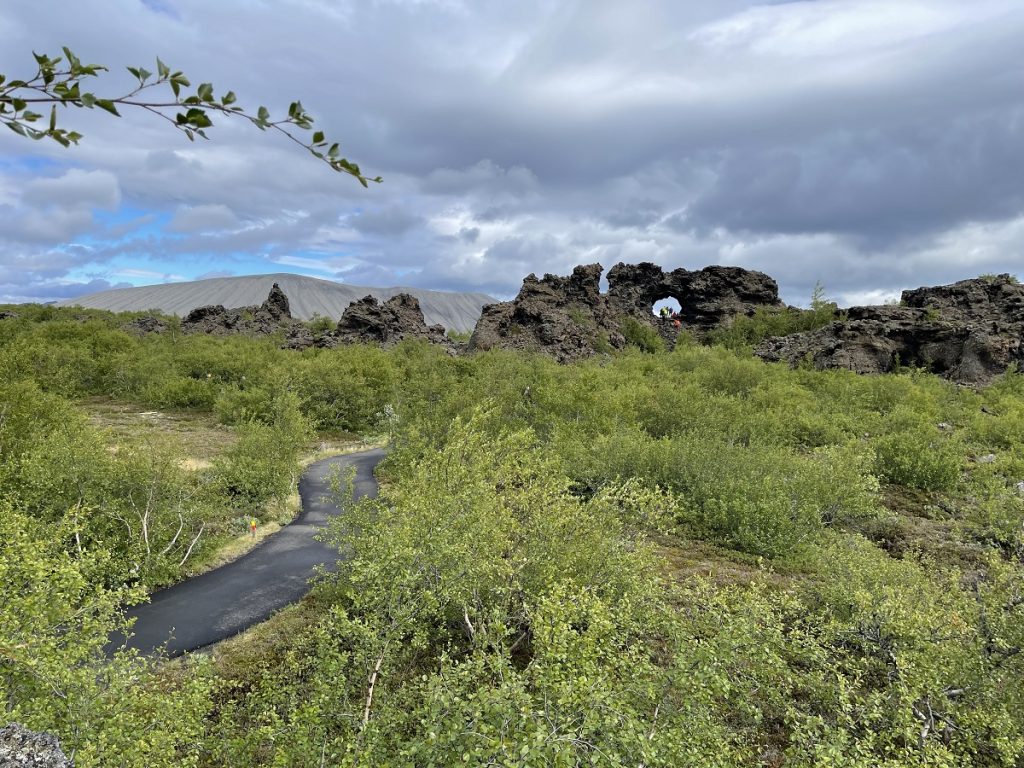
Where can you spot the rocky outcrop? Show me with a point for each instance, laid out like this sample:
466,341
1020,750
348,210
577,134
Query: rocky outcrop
145,324
566,317
269,317
969,332
7,315
709,298
368,321
569,318
276,305
22,748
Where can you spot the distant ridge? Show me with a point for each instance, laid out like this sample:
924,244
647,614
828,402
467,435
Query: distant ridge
306,295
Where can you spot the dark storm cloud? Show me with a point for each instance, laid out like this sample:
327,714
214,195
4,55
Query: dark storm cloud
881,187
389,221
869,144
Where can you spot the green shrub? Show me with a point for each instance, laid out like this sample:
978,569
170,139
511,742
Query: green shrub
919,458
747,331
256,468
180,392
263,463
641,335
320,323
235,405
344,388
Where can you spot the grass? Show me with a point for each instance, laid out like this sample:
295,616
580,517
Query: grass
686,558
245,656
199,435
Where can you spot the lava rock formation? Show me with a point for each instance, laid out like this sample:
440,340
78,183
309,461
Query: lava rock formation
569,318
968,332
272,315
368,321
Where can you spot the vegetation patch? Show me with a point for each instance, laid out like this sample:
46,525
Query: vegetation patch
658,558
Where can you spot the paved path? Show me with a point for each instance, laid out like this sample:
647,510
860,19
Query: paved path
220,603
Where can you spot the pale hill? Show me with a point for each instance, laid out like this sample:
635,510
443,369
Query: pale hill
306,295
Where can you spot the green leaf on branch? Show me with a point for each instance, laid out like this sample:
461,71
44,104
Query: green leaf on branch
141,74
200,119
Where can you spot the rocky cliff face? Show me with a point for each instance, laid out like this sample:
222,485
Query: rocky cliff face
969,332
569,318
368,321
22,748
269,317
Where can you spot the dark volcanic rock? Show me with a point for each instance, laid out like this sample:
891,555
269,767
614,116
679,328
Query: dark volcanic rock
271,316
708,298
22,748
6,315
276,305
569,318
210,319
968,332
368,321
146,324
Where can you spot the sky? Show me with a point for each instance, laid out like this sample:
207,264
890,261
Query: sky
866,145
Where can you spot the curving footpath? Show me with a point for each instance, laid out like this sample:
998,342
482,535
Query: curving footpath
218,604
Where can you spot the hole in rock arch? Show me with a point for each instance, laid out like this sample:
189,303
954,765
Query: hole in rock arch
670,302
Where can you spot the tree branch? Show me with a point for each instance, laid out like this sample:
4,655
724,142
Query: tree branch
62,86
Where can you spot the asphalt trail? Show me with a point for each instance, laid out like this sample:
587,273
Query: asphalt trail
218,604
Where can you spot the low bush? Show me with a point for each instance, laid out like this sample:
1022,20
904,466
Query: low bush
919,458
641,335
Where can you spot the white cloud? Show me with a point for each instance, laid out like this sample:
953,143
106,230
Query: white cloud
75,189
203,218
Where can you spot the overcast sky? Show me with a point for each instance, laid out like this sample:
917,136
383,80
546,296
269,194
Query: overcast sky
870,145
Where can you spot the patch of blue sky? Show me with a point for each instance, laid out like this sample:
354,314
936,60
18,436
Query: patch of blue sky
163,7
130,223
32,165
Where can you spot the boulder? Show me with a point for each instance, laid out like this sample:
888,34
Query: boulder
8,315
22,748
209,319
969,332
145,324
